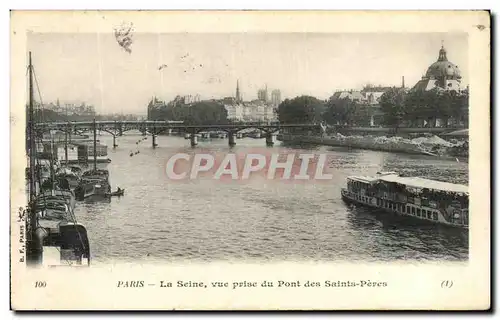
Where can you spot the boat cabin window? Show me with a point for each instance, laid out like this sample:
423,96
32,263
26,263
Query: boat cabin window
434,215
418,213
413,210
424,201
408,209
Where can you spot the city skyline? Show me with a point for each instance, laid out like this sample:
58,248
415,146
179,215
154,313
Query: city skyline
166,65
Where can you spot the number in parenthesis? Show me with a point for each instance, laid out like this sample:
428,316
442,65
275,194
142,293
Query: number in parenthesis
447,284
40,284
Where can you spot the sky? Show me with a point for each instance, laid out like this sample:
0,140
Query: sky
95,69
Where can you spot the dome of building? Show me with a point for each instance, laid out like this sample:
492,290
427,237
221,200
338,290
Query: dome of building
443,68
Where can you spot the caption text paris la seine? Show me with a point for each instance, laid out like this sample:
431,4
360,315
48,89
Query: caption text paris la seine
251,284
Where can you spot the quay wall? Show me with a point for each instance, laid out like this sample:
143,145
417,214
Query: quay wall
368,143
388,132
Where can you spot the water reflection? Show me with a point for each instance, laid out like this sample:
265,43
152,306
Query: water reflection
421,238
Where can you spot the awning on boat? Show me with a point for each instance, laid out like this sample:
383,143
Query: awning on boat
422,183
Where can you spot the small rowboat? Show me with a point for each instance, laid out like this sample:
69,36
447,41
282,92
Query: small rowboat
116,193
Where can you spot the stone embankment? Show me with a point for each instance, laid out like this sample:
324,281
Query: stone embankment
430,145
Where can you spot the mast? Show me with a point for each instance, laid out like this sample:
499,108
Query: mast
34,246
95,146
52,169
66,138
31,135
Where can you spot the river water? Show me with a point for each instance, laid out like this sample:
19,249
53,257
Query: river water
159,219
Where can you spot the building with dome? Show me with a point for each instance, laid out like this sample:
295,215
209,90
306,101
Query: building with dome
442,74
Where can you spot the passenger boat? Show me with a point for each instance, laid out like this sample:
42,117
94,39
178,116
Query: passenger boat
427,200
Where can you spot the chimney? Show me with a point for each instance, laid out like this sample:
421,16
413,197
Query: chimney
403,82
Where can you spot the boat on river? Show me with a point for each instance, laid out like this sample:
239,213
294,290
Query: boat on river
63,239
67,195
413,197
72,178
93,182
54,237
85,189
117,193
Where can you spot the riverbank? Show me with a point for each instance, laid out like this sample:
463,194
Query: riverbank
432,146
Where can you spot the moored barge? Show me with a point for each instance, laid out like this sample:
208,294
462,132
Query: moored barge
427,200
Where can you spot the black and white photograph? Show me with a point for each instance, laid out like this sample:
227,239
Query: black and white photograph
208,147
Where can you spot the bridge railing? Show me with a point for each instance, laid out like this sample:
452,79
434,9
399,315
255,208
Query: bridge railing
174,123
63,123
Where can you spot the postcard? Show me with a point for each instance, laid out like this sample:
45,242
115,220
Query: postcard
250,160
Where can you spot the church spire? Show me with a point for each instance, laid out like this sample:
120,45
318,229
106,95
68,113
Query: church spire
238,94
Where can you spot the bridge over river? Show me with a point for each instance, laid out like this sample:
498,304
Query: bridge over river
155,128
